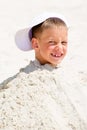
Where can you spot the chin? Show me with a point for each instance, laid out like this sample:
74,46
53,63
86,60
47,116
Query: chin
55,64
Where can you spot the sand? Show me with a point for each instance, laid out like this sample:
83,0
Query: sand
42,98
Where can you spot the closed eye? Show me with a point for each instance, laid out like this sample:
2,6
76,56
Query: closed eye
55,43
52,42
64,43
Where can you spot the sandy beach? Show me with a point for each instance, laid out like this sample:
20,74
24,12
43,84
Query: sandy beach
44,98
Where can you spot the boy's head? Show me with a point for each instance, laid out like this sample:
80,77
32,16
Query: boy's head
49,39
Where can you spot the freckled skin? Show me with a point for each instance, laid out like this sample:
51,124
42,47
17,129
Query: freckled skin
52,45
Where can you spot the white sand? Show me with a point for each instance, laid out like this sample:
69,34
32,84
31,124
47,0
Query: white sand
43,99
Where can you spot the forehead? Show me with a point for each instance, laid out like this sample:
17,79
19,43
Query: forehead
54,32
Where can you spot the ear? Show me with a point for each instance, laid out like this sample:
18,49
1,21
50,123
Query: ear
34,43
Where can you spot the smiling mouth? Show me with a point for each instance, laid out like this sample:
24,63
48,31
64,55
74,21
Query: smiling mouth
56,55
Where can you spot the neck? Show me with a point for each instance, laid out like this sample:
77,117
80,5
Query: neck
44,62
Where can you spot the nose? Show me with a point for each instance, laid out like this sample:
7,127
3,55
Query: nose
59,47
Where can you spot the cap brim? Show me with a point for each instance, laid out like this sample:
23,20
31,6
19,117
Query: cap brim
22,40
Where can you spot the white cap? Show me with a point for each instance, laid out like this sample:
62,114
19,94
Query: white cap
22,37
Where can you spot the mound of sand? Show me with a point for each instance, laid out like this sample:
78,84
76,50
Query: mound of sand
43,98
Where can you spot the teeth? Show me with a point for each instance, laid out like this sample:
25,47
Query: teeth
55,55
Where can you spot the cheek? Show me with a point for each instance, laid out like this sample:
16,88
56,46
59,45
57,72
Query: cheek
46,48
51,47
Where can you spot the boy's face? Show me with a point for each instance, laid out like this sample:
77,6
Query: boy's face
52,45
